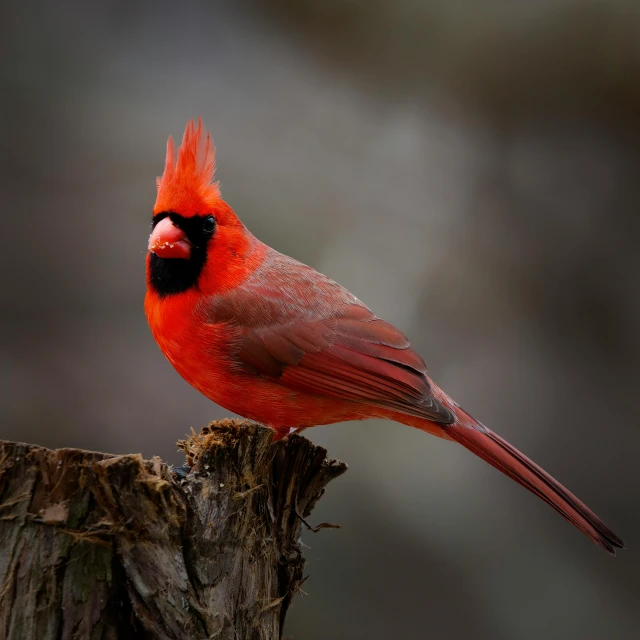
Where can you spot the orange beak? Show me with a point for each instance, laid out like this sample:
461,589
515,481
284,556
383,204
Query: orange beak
169,241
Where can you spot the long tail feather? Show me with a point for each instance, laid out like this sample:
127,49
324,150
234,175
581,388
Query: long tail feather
506,458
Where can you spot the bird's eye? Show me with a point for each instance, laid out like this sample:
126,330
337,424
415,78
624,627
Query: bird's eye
208,224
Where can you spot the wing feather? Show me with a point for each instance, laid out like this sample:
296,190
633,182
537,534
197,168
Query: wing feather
308,333
365,360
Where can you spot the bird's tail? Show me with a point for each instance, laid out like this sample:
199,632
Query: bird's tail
506,458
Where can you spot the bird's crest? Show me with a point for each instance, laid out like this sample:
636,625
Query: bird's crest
187,186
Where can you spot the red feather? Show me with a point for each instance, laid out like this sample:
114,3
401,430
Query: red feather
506,458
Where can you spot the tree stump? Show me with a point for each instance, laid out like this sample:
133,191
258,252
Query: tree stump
98,546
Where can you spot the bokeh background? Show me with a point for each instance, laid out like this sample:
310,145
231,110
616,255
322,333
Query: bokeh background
470,170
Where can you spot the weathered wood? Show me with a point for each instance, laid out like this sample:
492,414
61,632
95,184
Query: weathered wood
98,546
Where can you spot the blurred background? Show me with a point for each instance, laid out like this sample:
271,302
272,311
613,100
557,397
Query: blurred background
471,171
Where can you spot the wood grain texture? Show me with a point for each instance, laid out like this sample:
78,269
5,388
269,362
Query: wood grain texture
97,546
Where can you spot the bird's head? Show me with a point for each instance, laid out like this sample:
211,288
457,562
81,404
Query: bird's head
196,240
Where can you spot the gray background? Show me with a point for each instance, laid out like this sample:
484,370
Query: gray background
469,170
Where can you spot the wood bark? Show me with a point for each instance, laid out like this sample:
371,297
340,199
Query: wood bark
98,546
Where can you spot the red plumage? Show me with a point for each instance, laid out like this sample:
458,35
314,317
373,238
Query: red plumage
275,341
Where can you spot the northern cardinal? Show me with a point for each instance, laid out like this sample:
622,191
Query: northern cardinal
275,341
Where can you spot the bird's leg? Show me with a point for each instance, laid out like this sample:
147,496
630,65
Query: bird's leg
282,433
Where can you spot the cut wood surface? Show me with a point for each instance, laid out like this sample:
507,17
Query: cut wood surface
102,546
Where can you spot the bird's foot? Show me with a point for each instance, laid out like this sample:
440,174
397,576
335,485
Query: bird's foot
284,433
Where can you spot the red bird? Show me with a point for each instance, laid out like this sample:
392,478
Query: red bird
273,340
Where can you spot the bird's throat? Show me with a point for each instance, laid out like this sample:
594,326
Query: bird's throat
170,276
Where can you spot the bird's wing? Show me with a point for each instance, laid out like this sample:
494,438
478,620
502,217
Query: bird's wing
319,338
355,356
